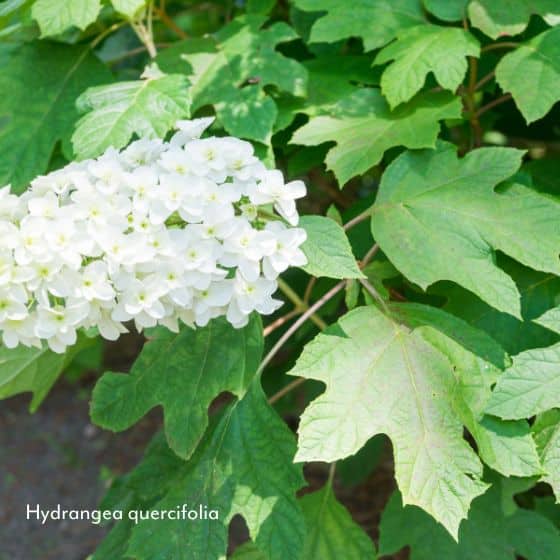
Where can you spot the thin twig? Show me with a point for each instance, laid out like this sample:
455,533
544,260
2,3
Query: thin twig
300,304
369,256
502,45
486,78
471,103
357,219
281,320
306,315
168,22
285,390
309,289
373,292
105,33
493,104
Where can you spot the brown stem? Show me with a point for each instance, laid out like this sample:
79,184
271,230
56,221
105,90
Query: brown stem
280,321
357,219
493,104
471,104
369,255
502,45
285,390
168,22
484,80
306,315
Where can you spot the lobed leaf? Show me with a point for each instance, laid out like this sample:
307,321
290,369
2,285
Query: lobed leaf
381,377
363,128
183,373
451,221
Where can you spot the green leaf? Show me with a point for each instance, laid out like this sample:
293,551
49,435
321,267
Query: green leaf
232,71
244,467
331,532
363,127
505,446
248,551
546,430
498,18
183,373
451,221
447,10
375,22
538,293
327,249
381,377
534,66
43,80
487,534
128,8
531,385
330,78
148,108
25,369
54,16
550,319
421,50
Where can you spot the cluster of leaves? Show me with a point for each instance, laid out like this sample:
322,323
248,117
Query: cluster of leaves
441,321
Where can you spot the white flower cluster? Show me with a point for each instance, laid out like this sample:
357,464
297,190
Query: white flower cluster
156,233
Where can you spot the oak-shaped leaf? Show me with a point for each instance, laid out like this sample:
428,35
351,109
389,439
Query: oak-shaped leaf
231,70
438,217
498,19
530,386
382,377
148,108
533,66
243,466
421,50
183,373
54,16
363,127
376,23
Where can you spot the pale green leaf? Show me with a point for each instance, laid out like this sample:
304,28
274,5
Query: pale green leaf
183,373
363,127
54,16
148,108
376,22
244,467
421,50
331,534
381,377
498,18
506,446
327,249
550,319
451,221
531,73
43,81
546,431
447,10
487,534
531,385
128,8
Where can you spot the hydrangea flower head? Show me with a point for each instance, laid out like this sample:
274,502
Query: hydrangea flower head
157,233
